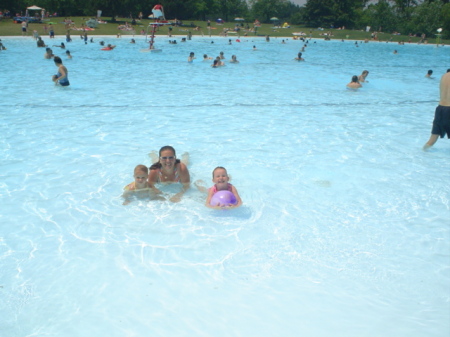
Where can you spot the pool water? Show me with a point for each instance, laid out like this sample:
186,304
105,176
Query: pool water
345,223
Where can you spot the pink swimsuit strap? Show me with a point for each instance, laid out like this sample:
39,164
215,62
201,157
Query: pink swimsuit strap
214,188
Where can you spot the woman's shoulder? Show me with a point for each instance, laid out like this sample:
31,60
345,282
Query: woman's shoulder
182,166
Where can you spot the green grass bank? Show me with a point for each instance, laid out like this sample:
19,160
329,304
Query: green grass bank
9,28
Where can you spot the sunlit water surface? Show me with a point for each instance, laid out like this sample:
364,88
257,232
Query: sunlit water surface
345,227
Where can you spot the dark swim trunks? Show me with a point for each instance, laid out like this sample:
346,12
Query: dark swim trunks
441,123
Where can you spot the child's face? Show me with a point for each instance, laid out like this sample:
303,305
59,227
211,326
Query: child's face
140,179
220,176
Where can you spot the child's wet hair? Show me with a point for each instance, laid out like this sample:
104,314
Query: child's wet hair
141,168
219,168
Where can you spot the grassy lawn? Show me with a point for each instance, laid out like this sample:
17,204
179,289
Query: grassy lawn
9,28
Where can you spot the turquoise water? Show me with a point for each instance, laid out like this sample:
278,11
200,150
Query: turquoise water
345,226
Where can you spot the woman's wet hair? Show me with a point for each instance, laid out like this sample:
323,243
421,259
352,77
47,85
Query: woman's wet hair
355,78
57,59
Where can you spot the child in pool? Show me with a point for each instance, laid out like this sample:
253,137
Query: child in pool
139,187
220,180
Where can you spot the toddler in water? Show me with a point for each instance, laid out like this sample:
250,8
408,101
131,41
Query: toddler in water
139,187
220,180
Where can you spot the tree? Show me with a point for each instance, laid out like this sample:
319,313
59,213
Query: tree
427,18
263,10
382,16
328,13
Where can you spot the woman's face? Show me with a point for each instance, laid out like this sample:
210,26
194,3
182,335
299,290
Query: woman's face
167,159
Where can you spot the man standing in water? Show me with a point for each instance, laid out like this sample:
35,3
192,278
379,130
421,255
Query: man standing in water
441,122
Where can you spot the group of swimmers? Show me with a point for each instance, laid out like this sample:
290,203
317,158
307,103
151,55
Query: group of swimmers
167,169
356,81
218,61
441,122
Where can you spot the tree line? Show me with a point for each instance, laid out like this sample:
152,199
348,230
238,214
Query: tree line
402,16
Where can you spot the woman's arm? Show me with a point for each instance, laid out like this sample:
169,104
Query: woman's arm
185,180
152,180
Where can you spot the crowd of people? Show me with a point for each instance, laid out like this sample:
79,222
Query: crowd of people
167,169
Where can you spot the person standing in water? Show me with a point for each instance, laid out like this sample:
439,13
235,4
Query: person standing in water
61,78
441,122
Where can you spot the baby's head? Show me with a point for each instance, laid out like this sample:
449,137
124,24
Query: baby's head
220,178
140,176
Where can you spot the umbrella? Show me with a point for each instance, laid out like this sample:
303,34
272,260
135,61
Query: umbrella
274,19
34,8
239,19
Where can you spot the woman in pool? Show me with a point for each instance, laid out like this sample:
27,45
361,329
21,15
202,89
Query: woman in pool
168,169
61,78
354,84
362,77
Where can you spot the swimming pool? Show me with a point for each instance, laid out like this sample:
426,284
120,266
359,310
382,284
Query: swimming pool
345,225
